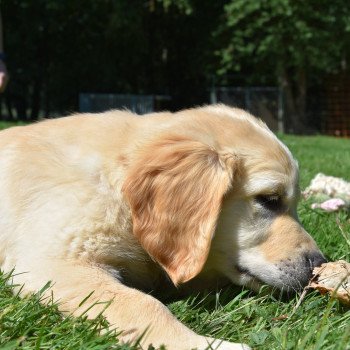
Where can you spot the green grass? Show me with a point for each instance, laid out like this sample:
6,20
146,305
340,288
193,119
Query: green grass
262,321
320,154
4,125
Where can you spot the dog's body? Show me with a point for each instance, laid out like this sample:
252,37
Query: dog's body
115,203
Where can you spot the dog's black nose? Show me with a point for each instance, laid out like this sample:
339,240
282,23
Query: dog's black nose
315,259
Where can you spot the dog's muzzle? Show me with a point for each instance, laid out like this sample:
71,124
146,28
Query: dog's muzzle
288,275
296,274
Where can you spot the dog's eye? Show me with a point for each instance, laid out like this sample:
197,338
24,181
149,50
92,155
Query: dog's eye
270,202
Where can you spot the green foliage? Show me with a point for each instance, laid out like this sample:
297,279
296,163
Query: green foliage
288,33
183,5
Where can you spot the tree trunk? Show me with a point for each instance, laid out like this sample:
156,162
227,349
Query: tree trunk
295,99
35,103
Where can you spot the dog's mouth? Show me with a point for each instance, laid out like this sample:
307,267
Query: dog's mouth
255,283
243,270
287,282
248,279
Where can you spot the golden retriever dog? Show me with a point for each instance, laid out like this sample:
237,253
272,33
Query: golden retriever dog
121,205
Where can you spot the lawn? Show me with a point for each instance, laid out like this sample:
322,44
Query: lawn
261,321
4,125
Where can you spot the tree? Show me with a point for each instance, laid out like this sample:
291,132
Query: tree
57,49
291,41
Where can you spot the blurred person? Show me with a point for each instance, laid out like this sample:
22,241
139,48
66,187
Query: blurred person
3,70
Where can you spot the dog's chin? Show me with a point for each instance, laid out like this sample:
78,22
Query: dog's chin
245,278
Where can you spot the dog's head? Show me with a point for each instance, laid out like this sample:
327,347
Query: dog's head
217,186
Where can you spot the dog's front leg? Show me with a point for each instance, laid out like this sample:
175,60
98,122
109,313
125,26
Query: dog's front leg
130,311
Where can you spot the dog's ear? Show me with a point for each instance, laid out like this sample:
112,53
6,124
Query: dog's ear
175,191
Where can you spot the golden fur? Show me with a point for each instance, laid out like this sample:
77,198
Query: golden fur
114,203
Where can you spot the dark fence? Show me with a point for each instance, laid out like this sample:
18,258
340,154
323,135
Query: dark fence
337,107
140,104
263,102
